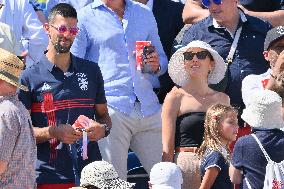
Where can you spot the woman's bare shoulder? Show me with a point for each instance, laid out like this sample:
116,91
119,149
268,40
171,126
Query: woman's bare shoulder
222,98
175,94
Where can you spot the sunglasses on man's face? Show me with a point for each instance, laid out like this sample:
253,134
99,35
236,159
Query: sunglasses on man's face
201,55
207,3
63,29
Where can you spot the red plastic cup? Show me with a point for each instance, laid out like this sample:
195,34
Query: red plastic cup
139,52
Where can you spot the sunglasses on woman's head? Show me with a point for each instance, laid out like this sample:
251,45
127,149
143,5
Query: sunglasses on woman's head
63,29
201,55
207,3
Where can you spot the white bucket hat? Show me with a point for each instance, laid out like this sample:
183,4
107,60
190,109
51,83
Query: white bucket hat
264,111
166,175
102,175
176,65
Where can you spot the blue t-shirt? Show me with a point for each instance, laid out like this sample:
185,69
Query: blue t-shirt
58,97
216,159
253,166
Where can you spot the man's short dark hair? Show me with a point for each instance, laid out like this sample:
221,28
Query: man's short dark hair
62,9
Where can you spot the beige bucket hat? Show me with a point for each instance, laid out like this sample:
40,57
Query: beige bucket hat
11,68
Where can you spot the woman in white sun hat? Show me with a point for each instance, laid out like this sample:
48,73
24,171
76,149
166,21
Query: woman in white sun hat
264,114
192,68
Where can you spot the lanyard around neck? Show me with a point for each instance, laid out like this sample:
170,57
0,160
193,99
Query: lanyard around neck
229,58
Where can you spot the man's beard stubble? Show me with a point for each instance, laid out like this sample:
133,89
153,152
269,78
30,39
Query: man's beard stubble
60,49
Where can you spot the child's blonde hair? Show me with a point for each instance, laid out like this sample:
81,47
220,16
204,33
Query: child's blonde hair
213,119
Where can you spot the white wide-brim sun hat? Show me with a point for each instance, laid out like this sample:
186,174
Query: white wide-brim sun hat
264,111
180,76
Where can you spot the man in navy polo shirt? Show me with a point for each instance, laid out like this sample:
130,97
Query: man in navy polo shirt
219,30
61,88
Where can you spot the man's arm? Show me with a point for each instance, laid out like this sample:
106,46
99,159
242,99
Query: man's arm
275,18
235,175
193,12
159,56
97,130
62,132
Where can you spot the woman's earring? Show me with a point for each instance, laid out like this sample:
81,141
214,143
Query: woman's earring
209,71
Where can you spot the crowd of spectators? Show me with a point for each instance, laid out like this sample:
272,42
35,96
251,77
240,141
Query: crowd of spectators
77,87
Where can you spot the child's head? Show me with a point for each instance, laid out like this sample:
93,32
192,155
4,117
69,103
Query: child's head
221,127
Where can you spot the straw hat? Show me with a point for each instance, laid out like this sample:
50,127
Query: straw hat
102,175
176,65
11,68
264,111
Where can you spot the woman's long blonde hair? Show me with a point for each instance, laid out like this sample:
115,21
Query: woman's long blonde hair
214,117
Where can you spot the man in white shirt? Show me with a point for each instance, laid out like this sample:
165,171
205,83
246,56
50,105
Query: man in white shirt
8,40
274,54
23,21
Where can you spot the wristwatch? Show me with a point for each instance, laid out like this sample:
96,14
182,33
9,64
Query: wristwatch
107,129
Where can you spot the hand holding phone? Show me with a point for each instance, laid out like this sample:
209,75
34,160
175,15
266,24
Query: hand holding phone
147,68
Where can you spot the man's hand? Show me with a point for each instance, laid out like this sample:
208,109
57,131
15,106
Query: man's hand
65,133
95,131
153,60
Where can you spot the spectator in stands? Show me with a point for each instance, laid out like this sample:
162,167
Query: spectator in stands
264,114
102,175
231,33
221,128
22,19
108,34
17,142
274,54
168,30
165,175
8,40
192,67
61,88
270,10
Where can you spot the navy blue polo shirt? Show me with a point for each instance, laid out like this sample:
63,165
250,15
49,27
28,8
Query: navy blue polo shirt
248,58
216,159
253,167
69,95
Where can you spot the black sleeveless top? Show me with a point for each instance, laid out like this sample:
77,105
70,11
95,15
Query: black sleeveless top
190,129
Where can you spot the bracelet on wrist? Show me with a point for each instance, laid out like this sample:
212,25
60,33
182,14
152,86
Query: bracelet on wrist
107,129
